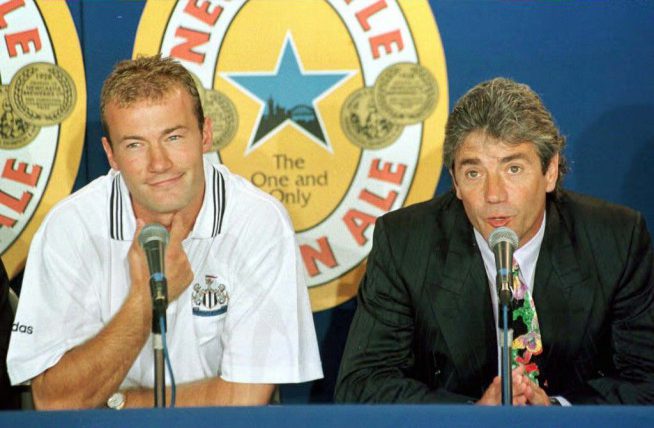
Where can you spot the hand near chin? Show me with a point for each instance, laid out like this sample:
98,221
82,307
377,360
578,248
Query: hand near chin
178,268
525,392
138,267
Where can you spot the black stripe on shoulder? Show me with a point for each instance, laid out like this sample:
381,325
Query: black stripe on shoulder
113,208
218,189
119,211
222,202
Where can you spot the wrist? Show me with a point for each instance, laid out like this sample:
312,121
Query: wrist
139,297
138,307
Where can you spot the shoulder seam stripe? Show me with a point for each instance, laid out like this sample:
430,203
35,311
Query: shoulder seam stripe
116,209
218,189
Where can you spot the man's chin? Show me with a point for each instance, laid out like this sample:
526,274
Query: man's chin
159,210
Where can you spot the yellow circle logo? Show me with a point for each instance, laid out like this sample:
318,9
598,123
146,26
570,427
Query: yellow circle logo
42,118
336,108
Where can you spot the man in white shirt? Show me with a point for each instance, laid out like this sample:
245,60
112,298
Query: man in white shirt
239,319
425,329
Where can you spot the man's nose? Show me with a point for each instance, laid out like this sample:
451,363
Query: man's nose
159,158
495,189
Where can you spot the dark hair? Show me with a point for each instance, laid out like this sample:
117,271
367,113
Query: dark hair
508,111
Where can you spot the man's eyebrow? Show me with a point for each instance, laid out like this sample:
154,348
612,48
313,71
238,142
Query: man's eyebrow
131,137
164,132
172,129
506,159
511,158
469,161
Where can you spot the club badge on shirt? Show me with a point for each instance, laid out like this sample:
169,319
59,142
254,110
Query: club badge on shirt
209,298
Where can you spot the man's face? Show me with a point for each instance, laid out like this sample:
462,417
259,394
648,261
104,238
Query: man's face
158,148
502,185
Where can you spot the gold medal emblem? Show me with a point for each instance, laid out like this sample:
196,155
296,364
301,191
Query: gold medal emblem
224,117
406,93
362,123
199,87
14,131
223,114
42,94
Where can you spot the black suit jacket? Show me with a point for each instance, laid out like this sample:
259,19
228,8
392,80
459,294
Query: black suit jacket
9,397
424,329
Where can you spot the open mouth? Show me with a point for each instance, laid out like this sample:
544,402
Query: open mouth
498,221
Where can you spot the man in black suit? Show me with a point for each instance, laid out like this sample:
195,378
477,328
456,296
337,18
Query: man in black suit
425,326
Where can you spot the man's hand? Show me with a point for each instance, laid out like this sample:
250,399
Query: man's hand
493,394
535,395
178,268
89,373
524,391
138,268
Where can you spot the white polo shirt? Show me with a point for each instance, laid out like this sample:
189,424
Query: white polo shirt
246,317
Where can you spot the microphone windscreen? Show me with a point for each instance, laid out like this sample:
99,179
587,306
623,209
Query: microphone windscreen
153,232
503,234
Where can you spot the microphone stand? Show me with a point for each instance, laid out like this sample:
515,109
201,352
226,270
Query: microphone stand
159,290
505,322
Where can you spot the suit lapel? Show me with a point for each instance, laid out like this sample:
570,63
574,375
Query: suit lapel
563,293
461,304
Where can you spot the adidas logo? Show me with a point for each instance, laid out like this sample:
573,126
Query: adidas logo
22,328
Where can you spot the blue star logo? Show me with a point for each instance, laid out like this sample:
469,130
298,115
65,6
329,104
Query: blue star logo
288,96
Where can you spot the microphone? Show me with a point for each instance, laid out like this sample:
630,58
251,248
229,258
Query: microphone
503,241
153,239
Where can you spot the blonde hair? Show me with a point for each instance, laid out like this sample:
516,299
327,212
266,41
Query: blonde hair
150,78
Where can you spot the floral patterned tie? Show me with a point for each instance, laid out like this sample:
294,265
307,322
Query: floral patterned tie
527,343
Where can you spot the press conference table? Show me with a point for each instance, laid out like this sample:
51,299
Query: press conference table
360,416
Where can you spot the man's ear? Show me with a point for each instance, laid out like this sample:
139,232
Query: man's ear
456,187
207,135
106,145
552,173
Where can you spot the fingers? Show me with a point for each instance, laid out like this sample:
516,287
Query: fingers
178,230
528,391
536,395
493,394
519,389
138,269
519,385
140,224
136,256
519,400
178,267
520,370
525,392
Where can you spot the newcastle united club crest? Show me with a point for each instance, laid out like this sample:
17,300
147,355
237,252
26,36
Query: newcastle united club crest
209,299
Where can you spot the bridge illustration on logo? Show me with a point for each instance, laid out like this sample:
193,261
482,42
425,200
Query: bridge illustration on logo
288,95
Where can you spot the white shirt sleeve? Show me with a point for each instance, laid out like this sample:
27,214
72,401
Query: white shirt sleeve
269,335
58,307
